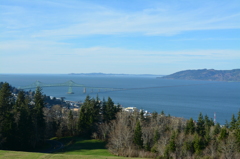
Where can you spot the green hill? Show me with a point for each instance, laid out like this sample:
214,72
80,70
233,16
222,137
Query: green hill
206,75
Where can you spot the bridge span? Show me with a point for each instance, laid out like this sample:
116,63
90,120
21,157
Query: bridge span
70,84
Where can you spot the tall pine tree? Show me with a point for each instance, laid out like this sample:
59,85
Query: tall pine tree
137,138
200,126
71,123
190,127
24,123
109,110
7,124
88,116
38,118
233,122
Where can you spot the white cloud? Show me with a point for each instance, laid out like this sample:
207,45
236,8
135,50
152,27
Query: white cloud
47,59
78,19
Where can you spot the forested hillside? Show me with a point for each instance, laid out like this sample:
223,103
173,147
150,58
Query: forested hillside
207,75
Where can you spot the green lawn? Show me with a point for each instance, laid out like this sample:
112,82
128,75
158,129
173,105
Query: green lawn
32,155
80,146
75,148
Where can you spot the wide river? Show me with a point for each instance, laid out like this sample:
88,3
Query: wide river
181,98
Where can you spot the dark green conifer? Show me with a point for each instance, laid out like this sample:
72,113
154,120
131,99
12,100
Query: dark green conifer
71,123
237,124
233,122
156,136
7,124
190,127
217,129
162,113
38,118
25,125
172,143
197,144
200,126
109,110
223,134
88,116
137,138
85,120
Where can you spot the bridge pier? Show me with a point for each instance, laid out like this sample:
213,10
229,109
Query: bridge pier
70,90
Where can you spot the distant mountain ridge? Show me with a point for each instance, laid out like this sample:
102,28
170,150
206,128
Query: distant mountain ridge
112,74
206,75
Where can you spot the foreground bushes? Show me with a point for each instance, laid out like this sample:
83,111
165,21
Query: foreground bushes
169,137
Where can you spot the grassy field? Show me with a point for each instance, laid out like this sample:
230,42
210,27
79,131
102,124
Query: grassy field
80,146
31,155
75,148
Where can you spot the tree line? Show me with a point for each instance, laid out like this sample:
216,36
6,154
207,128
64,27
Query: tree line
26,126
22,125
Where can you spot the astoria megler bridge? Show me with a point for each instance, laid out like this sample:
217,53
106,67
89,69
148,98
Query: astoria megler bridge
70,84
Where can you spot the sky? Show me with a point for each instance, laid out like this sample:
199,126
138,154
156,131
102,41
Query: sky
111,36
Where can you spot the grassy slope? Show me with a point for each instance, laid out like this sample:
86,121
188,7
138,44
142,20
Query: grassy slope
75,147
80,146
31,155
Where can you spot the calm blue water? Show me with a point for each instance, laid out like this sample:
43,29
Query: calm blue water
183,99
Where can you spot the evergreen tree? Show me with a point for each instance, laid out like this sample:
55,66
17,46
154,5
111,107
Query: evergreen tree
88,116
137,138
104,110
38,118
200,126
189,146
233,122
70,123
207,138
190,127
6,100
208,123
197,144
24,124
156,136
172,143
109,110
7,125
85,120
237,124
223,134
162,113
20,101
217,129
95,108
212,122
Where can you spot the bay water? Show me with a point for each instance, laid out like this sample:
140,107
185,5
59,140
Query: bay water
180,98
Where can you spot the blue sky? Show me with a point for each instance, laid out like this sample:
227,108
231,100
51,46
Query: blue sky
112,36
